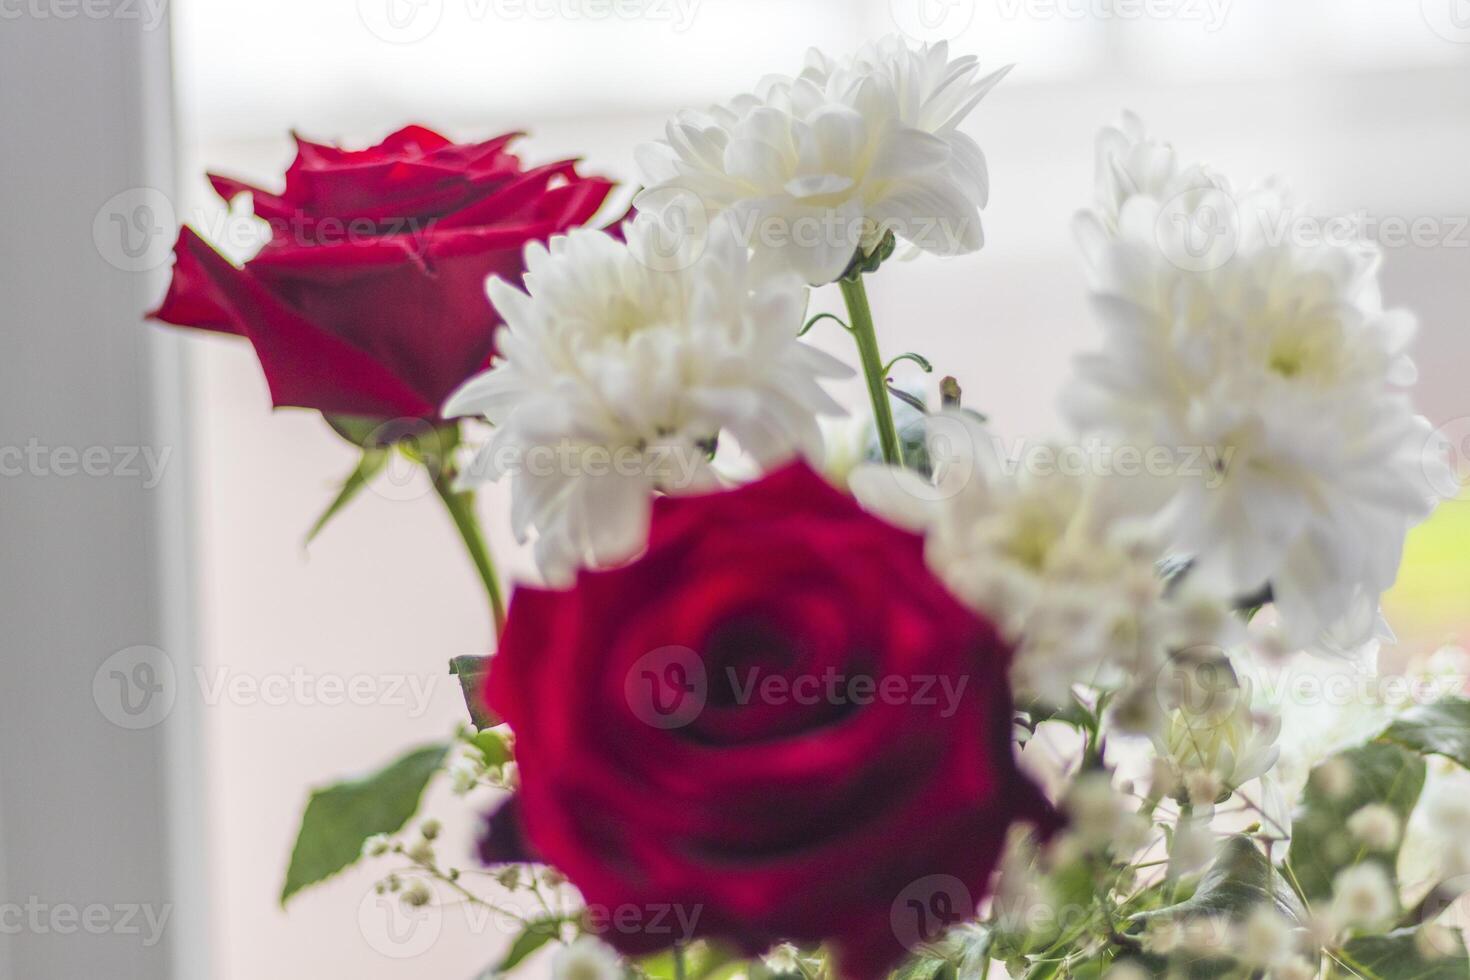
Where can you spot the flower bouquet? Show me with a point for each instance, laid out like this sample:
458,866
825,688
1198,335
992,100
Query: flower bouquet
929,708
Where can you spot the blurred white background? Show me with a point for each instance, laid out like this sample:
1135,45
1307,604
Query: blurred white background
1362,104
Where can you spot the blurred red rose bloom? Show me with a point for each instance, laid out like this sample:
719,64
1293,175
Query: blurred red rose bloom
369,300
777,725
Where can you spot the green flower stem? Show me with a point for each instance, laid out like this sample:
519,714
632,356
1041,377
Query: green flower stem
461,507
861,315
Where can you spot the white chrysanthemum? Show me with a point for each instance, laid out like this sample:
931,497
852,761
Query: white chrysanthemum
1267,362
587,958
1057,556
618,374
811,168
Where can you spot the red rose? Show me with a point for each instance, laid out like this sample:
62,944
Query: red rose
775,725
369,299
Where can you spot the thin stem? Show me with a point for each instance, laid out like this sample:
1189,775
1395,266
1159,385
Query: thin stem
855,294
461,507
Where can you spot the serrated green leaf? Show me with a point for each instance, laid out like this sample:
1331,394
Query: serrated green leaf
1321,846
1442,728
368,466
1400,956
340,818
537,933
471,673
1241,879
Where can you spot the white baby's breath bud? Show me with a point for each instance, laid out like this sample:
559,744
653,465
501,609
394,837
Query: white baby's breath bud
1207,936
510,775
417,895
464,775
421,852
1194,847
783,959
509,878
376,846
587,958
1101,817
1126,970
1203,787
1363,896
1163,779
1265,938
430,829
1335,778
1376,826
1163,937
1294,969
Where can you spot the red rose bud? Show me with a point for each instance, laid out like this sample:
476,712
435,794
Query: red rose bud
776,725
369,299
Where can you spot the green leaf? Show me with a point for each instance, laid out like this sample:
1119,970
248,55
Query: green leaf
340,818
1399,956
1241,879
702,960
537,933
493,748
471,673
1442,728
1321,846
369,466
